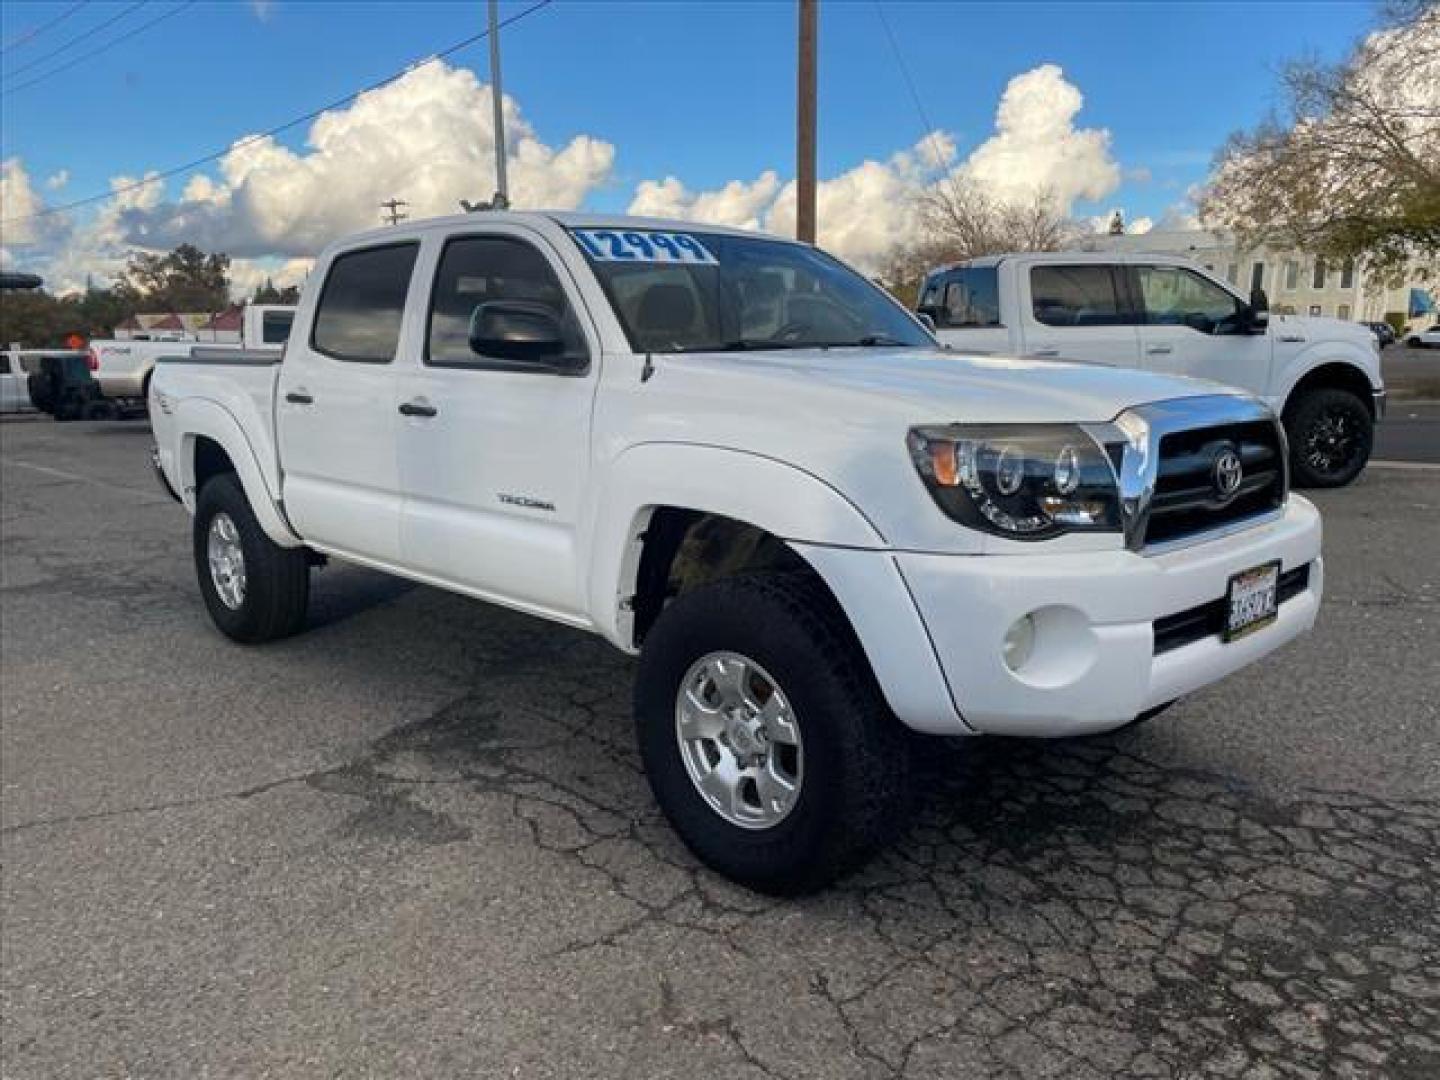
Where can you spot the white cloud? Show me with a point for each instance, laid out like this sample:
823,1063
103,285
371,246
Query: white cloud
1100,223
58,180
866,211
22,209
425,138
1037,146
262,9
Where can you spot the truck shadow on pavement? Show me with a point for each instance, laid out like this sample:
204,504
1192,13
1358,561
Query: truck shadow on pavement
1058,908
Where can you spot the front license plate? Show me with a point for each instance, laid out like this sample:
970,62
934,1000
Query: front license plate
1250,601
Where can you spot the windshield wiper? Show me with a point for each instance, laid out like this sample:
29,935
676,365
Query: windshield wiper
871,340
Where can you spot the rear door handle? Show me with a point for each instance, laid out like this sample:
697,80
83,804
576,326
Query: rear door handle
418,407
299,397
1160,350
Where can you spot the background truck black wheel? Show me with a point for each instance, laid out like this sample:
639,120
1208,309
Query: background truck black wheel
853,772
255,590
1331,433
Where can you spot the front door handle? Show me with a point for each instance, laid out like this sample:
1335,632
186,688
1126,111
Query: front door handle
1046,352
1160,350
418,407
299,397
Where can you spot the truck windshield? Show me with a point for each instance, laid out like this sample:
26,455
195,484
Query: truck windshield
679,292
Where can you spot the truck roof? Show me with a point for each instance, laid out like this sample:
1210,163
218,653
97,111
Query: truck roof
1069,258
566,219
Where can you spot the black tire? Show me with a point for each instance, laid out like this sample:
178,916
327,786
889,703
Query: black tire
277,580
100,409
1415,343
1331,434
854,795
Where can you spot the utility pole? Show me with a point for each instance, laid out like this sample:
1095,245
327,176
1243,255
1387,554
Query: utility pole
394,217
501,201
805,126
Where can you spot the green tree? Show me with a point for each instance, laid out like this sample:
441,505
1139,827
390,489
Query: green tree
1352,167
186,279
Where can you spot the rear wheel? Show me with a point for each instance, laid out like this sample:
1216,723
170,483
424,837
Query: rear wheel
1331,434
764,735
254,589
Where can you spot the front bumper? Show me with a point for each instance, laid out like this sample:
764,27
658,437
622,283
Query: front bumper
1094,666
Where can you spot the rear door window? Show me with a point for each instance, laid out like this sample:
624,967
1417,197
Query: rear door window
275,327
1076,296
363,304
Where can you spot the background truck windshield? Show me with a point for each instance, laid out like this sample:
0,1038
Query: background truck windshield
700,292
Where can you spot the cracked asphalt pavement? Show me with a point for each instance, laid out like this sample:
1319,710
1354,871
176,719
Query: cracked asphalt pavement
415,841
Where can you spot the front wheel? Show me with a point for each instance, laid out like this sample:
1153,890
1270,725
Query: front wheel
1331,433
764,735
254,589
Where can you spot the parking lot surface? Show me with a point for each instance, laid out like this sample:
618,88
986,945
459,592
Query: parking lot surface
415,841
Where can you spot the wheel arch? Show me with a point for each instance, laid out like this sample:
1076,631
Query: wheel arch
1331,375
793,521
212,441
671,484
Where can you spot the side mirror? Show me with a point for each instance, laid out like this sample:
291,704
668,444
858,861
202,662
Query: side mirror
926,319
519,330
1257,317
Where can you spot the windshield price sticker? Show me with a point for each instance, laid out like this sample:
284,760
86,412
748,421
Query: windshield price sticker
609,245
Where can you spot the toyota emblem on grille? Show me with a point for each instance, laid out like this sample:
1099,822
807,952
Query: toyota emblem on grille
1226,474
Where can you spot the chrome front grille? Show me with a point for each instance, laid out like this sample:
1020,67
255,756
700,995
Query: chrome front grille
1188,494
1192,466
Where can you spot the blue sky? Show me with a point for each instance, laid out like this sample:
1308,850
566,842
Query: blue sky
701,91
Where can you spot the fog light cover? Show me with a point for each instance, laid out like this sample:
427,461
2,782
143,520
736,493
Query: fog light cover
1019,642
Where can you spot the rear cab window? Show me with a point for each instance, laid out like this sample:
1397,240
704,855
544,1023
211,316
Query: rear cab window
363,303
1080,295
275,327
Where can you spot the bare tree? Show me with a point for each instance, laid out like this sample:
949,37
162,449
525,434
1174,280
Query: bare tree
959,220
1353,169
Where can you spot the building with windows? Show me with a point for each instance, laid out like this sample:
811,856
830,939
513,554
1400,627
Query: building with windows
1296,284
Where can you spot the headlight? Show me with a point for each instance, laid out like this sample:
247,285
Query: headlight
1026,482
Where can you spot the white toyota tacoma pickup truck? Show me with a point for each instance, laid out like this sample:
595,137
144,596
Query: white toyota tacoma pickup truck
737,458
1164,313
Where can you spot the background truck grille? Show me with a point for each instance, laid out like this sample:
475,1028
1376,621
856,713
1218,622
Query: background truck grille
1187,497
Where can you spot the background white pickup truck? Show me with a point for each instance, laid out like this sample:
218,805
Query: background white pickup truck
737,457
1166,314
123,368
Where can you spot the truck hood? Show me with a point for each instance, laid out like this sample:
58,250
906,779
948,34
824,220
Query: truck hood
925,385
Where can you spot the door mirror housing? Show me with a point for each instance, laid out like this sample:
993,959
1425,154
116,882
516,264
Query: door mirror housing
1257,314
518,330
926,319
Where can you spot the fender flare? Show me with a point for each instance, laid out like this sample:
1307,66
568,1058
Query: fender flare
199,417
1323,354
783,499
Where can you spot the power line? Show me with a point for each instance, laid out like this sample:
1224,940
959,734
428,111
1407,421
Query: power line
33,34
935,146
75,40
249,139
103,48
